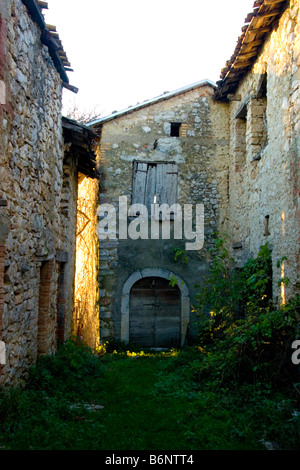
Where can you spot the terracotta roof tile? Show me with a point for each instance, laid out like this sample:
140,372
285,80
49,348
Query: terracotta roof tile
258,24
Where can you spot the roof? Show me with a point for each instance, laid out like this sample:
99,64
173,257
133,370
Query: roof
157,99
258,24
51,39
81,137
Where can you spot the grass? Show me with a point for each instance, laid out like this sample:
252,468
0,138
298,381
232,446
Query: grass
140,401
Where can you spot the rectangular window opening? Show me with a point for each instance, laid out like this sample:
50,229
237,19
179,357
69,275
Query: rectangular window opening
267,232
175,129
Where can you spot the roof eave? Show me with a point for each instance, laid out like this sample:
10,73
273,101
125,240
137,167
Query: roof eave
81,137
163,97
46,37
258,24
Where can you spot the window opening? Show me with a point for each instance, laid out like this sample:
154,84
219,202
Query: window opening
267,217
175,129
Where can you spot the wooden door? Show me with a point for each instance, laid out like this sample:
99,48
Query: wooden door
155,313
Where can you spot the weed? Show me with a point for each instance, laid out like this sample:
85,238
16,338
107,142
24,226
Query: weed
234,388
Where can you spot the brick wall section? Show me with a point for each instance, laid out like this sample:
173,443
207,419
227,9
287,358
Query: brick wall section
44,307
4,231
2,252
61,302
3,33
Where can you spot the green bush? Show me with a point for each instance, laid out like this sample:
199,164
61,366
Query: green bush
257,348
66,370
244,337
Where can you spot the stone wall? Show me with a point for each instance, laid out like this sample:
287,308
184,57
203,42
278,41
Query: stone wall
201,155
264,152
240,158
66,256
31,180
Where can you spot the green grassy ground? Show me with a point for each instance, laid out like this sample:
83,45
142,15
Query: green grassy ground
131,402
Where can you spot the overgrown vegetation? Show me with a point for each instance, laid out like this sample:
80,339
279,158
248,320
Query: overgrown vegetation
244,333
235,387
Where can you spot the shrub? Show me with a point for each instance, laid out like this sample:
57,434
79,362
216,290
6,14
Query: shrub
244,338
65,370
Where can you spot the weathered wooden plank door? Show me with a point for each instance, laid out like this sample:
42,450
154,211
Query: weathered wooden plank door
155,313
154,183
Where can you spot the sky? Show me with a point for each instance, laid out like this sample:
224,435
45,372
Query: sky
124,52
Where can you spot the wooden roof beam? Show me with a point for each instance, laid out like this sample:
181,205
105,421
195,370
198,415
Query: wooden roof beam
72,88
242,64
251,43
51,28
247,55
260,30
251,15
272,2
268,14
42,4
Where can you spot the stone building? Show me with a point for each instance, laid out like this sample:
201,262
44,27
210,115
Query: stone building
168,150
233,147
224,155
41,156
261,88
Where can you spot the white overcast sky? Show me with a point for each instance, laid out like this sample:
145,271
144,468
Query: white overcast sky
127,51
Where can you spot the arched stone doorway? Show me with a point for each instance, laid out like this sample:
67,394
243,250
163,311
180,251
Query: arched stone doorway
154,313
167,324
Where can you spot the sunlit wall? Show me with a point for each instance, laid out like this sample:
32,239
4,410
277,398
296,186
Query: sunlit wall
86,311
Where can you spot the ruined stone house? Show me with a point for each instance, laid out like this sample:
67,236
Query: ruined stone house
260,87
230,147
164,151
233,147
44,159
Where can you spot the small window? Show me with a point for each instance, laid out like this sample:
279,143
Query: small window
267,233
262,87
239,140
175,129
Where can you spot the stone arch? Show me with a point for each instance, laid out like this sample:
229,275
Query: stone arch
154,272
